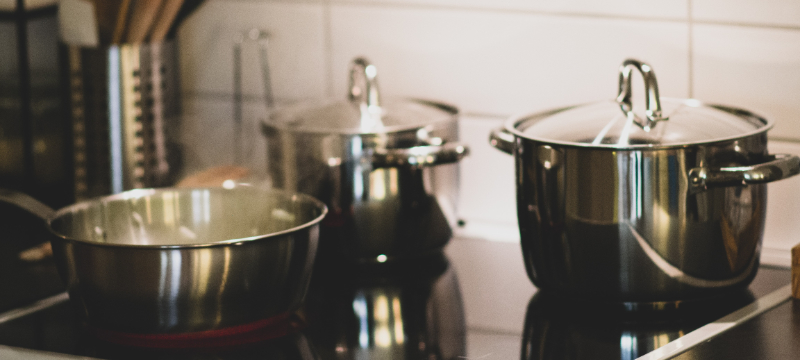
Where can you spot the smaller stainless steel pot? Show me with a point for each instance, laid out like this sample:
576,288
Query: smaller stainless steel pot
648,210
184,261
386,169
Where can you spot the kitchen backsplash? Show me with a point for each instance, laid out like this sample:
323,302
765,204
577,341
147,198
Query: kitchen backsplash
492,59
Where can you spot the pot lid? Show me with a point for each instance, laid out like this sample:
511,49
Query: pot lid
617,123
365,112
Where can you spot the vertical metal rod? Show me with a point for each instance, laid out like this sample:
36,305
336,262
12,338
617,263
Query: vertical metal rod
159,140
265,74
237,99
115,118
25,95
78,112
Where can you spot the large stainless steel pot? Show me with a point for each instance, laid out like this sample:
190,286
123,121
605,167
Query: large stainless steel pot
620,208
200,261
384,168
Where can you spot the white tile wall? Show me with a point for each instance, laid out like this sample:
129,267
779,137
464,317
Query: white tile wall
664,9
207,135
493,58
297,56
487,181
783,209
502,62
753,68
764,12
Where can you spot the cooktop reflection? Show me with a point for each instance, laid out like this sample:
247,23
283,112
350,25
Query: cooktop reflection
420,310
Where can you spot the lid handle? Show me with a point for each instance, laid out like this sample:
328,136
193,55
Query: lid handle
652,100
364,83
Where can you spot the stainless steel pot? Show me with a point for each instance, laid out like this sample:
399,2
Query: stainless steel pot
384,168
620,208
197,261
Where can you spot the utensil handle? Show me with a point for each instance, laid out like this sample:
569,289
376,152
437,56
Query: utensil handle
502,140
779,166
423,155
27,203
266,78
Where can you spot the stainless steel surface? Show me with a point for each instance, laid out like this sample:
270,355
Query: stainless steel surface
614,124
131,106
365,95
503,140
188,260
652,100
78,111
628,224
422,155
372,162
777,167
127,156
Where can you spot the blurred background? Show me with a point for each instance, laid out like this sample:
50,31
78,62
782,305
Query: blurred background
493,59
490,58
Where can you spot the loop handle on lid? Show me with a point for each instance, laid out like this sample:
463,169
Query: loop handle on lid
364,83
652,100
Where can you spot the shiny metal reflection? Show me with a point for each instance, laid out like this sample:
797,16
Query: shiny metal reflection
570,329
388,313
624,225
131,268
386,169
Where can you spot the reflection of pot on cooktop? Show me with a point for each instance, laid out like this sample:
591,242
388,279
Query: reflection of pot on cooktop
387,312
569,329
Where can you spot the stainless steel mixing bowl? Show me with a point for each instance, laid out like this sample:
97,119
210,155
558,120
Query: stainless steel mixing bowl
184,260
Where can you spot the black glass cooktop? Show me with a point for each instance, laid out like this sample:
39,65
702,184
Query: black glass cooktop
433,308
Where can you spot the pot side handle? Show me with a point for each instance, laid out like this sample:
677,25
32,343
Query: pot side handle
780,166
423,155
27,203
502,140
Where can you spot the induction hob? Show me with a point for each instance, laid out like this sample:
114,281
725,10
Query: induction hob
454,305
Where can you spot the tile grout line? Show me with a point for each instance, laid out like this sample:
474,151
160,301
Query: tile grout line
569,14
690,18
328,26
398,4
509,10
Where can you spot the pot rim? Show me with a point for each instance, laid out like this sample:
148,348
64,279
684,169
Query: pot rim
145,192
511,126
